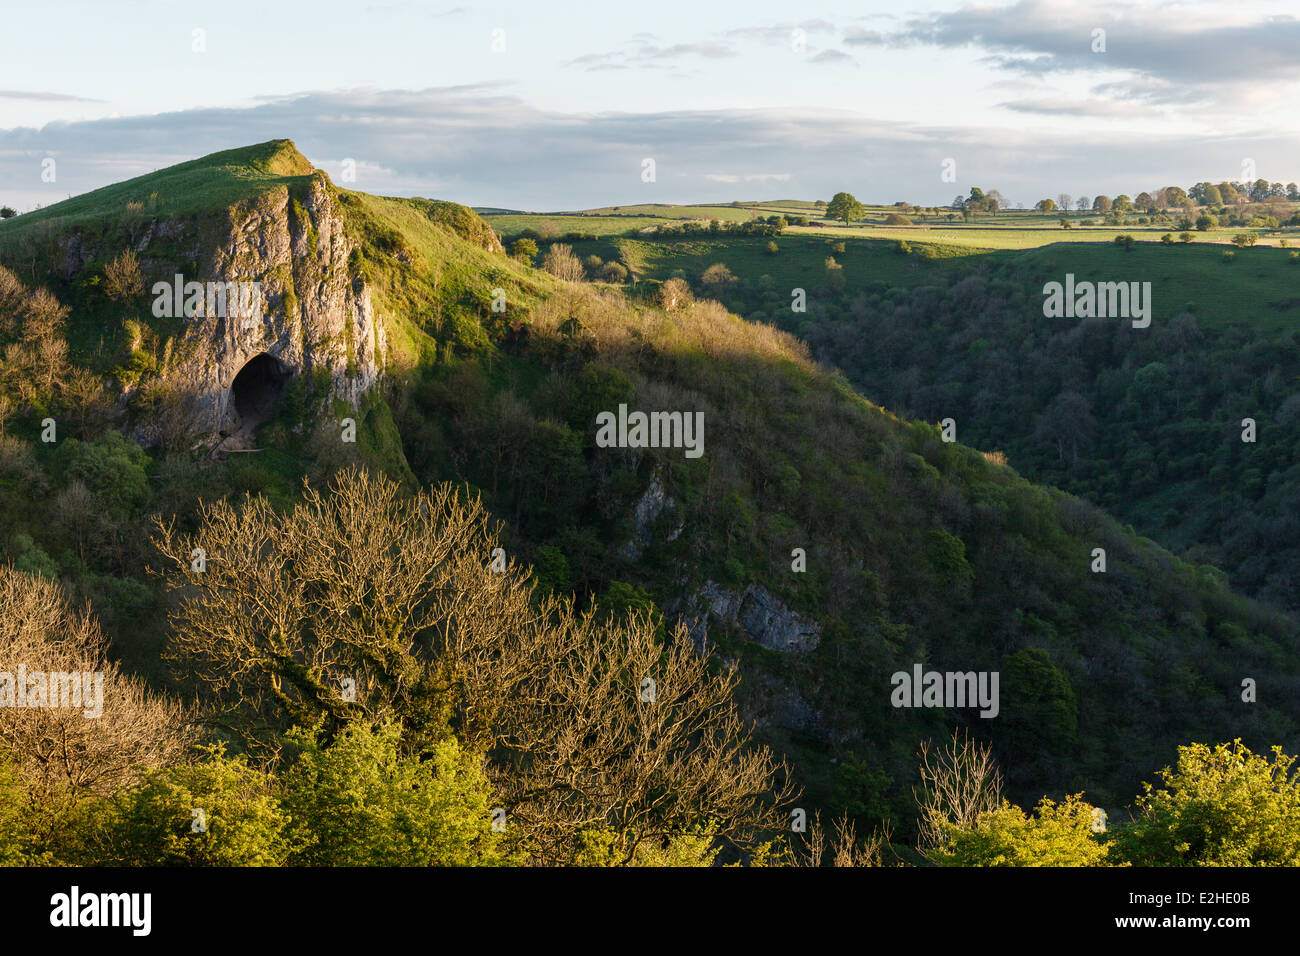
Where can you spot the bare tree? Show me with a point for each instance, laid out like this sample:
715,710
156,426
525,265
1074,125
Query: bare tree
123,279
62,752
846,849
674,294
560,262
958,783
366,602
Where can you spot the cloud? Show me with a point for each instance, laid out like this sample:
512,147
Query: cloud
481,144
748,178
856,36
1060,106
646,50
45,97
833,56
781,32
651,55
1209,52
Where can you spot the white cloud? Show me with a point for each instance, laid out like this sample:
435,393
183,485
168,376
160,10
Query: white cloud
481,145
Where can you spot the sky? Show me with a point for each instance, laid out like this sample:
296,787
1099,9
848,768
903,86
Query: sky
550,107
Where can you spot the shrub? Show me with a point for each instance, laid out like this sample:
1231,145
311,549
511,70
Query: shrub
1220,806
524,249
560,262
218,812
360,802
123,279
717,277
674,294
1055,835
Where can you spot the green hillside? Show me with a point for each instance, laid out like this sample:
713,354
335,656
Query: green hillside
918,550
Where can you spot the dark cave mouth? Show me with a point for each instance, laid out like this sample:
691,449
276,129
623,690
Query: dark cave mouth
257,389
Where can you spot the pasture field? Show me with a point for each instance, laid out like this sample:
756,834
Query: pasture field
1259,286
799,262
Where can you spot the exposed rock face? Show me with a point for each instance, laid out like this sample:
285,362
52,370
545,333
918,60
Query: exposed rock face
651,505
312,315
764,618
784,706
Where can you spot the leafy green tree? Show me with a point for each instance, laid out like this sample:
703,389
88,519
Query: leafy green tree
615,272
1219,806
861,790
525,250
1045,205
219,811
602,848
112,467
622,598
551,569
1040,713
7,212
358,802
15,838
598,388
1205,222
844,206
1056,834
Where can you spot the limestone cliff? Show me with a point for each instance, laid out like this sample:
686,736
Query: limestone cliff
312,316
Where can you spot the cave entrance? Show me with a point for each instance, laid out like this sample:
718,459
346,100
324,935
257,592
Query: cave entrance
257,388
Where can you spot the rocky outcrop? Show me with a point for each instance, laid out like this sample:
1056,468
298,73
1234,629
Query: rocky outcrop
311,315
762,617
651,505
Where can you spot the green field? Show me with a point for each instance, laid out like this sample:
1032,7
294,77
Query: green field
942,228
1028,235
799,262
